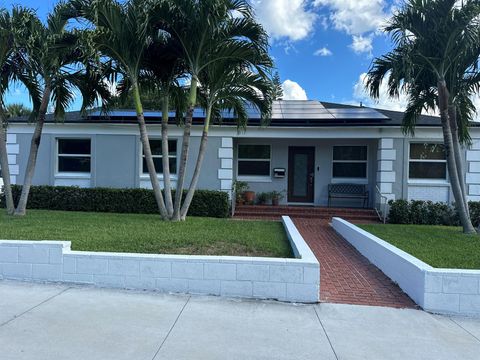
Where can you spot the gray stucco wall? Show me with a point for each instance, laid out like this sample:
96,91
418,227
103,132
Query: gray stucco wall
115,162
323,166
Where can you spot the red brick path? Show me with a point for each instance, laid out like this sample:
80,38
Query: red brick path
346,276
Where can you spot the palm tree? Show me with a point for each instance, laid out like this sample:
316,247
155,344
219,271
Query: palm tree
56,54
16,110
230,86
122,33
435,62
210,31
12,69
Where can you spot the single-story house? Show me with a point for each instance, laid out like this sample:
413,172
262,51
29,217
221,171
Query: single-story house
307,146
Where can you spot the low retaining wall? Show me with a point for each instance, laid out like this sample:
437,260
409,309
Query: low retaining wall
295,280
448,291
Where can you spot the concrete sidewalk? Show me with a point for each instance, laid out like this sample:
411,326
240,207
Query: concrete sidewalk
59,322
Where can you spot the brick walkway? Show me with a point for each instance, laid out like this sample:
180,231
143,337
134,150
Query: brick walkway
346,275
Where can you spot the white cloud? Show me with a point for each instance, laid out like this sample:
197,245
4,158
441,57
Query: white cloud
359,18
323,52
362,44
356,16
383,102
293,91
285,19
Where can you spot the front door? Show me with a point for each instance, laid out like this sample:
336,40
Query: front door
301,174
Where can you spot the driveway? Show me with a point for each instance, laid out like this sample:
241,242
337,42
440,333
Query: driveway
39,321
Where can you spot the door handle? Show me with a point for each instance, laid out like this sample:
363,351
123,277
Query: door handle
310,178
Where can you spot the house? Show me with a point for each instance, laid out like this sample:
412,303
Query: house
307,146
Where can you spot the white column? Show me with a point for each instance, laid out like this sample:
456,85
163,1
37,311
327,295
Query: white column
386,176
225,172
473,171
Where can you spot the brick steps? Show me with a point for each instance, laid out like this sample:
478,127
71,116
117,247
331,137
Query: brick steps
275,212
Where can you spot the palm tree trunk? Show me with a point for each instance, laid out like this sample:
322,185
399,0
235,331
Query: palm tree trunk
32,157
185,146
198,166
7,187
457,149
443,99
165,159
147,151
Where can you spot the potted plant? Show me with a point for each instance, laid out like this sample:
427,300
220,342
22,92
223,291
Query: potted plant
249,197
262,198
239,188
276,196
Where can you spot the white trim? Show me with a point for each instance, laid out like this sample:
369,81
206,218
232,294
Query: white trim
258,179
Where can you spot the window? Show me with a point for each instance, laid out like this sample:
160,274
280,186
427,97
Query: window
350,162
156,146
427,161
74,155
254,160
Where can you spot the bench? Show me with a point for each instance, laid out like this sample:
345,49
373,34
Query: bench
347,191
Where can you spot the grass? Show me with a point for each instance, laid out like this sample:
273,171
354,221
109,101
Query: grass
438,246
148,234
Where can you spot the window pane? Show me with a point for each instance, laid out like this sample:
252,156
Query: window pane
254,151
427,151
350,170
428,170
349,153
159,165
74,146
156,147
73,164
254,168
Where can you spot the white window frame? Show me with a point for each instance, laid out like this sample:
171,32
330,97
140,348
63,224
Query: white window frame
71,174
360,180
255,178
426,181
145,175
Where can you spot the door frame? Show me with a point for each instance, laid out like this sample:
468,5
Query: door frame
310,198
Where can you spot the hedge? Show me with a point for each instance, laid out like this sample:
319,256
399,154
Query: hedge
206,203
429,213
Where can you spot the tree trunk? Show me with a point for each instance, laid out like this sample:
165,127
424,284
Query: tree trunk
7,187
198,167
165,159
32,157
457,149
443,100
147,151
185,146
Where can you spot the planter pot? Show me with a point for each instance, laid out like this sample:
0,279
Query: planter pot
275,202
249,197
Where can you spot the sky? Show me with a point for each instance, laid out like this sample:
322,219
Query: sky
322,48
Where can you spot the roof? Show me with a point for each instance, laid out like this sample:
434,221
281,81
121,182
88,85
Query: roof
285,113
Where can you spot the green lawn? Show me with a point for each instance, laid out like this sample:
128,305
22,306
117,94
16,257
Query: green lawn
438,246
148,234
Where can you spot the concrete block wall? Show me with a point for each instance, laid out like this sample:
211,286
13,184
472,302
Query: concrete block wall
446,291
295,280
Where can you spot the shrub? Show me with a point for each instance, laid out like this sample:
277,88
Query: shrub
205,203
428,213
399,212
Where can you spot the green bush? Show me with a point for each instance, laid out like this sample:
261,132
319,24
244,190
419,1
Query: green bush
205,203
428,213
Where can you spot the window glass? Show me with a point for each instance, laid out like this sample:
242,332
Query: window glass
254,160
156,147
350,162
74,155
427,161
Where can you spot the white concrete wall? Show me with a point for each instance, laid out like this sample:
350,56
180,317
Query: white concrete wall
295,280
448,291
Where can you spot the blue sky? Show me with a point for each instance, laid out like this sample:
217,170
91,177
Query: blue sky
321,47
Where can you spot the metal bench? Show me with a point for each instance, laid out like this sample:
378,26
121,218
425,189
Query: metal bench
347,191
